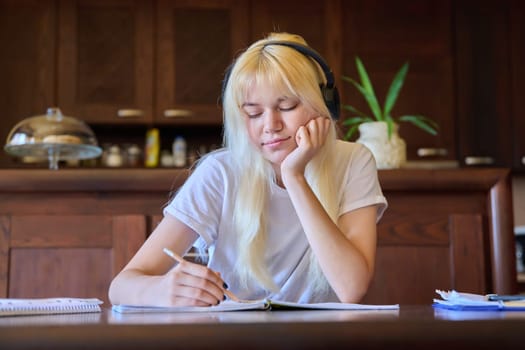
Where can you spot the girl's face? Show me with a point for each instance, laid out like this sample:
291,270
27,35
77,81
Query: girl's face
272,120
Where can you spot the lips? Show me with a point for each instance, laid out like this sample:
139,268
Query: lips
275,142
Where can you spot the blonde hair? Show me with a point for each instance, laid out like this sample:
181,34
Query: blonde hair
297,75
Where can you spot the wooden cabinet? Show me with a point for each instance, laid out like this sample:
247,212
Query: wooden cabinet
385,35
491,83
27,62
517,37
196,41
68,232
65,255
140,61
444,229
161,63
484,83
105,60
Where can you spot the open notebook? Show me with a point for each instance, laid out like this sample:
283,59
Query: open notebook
46,306
264,304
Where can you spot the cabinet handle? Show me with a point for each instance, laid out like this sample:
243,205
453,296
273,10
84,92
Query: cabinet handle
479,160
523,160
130,113
177,113
430,152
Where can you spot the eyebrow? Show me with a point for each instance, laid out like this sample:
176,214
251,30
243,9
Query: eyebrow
279,100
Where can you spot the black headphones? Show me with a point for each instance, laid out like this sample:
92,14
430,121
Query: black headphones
328,90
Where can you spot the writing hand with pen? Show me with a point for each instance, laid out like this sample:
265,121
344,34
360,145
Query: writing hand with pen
195,284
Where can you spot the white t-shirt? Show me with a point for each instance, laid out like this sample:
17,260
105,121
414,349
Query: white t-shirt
204,203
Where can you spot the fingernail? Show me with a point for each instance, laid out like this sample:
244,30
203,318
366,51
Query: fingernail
225,285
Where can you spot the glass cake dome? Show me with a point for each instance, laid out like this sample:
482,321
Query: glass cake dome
54,137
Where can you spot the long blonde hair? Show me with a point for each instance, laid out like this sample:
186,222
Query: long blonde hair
294,74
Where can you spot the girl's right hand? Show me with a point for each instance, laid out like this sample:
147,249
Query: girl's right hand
309,138
191,284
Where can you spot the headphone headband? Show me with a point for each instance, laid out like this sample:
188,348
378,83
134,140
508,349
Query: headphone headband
309,52
328,90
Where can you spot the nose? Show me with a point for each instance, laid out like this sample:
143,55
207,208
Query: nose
273,121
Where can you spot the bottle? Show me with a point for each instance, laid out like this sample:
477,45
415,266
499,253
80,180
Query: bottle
179,152
151,159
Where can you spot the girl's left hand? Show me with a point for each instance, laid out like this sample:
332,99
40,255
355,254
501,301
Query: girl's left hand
309,139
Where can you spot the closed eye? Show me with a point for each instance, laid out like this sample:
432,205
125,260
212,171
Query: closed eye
254,111
253,115
286,109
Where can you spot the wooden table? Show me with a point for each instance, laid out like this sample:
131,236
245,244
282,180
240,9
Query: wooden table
407,328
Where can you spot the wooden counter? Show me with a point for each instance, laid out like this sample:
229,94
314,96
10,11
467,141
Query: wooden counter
67,232
410,327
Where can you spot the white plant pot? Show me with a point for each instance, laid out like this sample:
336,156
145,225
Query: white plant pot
389,153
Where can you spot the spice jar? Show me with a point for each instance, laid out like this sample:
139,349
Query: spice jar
114,157
133,156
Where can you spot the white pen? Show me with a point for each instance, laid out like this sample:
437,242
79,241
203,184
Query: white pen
171,254
178,257
195,255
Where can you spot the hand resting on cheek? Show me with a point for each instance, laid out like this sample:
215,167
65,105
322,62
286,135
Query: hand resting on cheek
309,139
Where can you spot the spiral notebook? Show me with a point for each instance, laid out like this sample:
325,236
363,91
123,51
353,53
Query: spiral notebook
46,306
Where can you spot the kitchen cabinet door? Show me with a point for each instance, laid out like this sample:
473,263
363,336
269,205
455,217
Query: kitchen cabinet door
483,83
65,255
27,62
196,42
385,35
105,60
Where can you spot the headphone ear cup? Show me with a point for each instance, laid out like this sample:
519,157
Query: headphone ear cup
331,100
225,80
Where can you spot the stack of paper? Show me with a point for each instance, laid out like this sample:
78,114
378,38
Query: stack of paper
453,300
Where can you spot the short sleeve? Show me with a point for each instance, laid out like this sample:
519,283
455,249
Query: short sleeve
198,203
360,183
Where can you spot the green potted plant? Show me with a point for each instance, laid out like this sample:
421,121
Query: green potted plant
381,127
381,114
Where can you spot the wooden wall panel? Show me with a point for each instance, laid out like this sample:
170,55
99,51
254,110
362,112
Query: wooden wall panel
61,231
469,254
408,274
51,272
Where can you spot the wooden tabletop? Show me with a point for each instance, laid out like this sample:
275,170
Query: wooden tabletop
407,328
